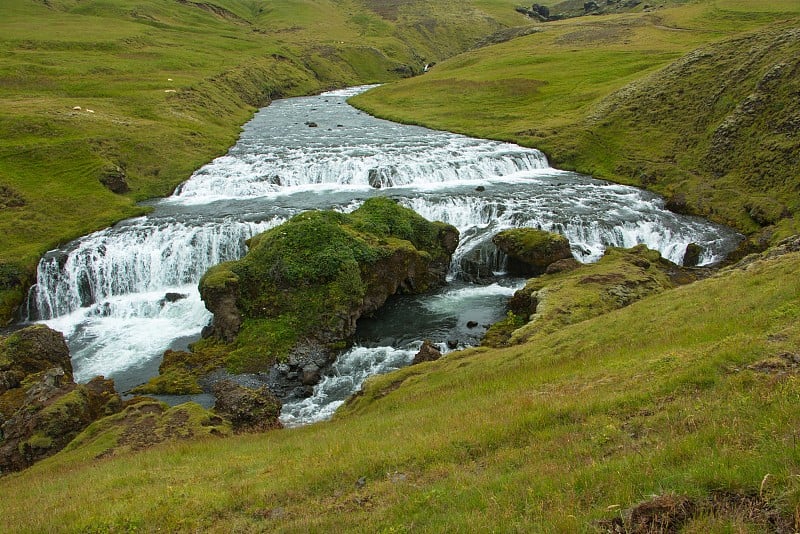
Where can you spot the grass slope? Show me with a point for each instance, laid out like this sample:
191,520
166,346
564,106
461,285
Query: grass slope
697,403
696,102
164,87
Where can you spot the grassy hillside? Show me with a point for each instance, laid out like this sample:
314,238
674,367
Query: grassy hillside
163,87
696,102
677,412
566,432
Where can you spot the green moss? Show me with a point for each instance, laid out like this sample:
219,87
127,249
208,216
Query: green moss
38,441
219,276
622,276
304,279
179,381
499,334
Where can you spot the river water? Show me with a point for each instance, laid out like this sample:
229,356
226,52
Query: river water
125,294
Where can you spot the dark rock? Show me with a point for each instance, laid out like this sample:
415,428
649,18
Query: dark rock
691,258
311,374
523,303
33,350
115,179
678,204
10,198
472,324
312,124
248,409
543,11
41,408
562,266
174,297
427,353
374,179
479,264
531,251
480,189
452,343
219,291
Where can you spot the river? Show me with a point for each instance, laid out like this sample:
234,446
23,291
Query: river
123,295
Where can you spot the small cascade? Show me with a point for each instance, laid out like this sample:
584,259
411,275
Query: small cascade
345,377
134,258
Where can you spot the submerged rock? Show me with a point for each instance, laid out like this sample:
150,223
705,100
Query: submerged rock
531,251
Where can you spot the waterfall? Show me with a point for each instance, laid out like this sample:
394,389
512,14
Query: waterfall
139,257
124,295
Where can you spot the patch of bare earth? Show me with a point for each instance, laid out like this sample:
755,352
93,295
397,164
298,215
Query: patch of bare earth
666,514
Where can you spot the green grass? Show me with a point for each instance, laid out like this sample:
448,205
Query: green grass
620,97
169,85
551,435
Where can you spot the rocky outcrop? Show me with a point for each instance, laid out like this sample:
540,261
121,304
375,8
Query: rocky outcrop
531,251
691,258
321,271
115,179
427,353
552,301
41,407
248,409
293,301
146,422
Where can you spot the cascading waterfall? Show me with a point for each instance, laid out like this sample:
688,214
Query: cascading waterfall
124,295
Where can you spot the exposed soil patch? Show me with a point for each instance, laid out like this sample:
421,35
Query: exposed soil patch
782,363
387,9
9,198
605,34
670,513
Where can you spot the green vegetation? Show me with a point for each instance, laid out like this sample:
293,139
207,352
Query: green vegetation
163,87
305,283
144,423
693,102
698,400
621,404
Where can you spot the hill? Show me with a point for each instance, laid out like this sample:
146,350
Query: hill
676,412
688,420
106,103
694,102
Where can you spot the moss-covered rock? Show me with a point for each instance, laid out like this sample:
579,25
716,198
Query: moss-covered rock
248,409
41,408
531,251
552,301
320,271
298,293
146,422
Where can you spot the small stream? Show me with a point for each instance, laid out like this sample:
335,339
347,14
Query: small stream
125,294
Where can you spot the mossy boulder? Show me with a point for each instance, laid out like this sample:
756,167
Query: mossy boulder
248,409
315,275
41,407
552,301
145,422
531,251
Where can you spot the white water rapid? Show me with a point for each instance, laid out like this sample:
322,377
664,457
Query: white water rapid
124,295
